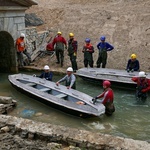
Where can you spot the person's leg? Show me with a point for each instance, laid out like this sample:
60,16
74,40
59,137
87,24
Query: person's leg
61,57
73,62
28,55
57,56
85,62
99,60
104,59
20,59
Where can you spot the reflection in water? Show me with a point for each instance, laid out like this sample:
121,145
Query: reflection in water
131,119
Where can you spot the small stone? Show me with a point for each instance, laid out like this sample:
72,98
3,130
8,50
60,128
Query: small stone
30,136
54,145
38,114
5,129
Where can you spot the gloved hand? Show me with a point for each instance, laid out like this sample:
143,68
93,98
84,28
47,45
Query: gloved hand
128,70
144,91
132,70
94,100
74,54
34,75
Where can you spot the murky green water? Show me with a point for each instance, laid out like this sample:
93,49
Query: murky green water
130,119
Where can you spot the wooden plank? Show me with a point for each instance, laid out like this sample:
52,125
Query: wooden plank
61,95
31,84
45,89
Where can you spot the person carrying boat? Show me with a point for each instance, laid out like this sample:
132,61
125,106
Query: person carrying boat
59,42
103,47
133,64
70,79
72,51
143,86
88,50
108,98
47,74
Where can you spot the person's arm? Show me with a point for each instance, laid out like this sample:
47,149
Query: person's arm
42,75
101,95
17,45
54,41
64,41
106,97
109,47
73,79
63,79
137,66
128,64
98,46
134,79
75,45
148,87
83,50
91,50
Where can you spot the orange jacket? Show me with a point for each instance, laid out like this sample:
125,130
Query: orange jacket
20,43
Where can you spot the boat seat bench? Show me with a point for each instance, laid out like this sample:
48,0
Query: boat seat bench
61,95
44,89
31,84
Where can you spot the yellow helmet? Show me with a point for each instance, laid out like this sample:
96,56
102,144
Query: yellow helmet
59,32
71,34
133,56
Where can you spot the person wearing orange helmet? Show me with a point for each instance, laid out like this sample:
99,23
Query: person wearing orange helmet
133,64
107,98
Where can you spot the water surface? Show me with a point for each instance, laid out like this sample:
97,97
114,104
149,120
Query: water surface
130,120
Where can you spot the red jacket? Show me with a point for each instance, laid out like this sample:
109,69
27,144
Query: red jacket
59,39
107,95
145,83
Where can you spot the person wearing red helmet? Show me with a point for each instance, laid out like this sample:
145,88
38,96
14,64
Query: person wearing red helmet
107,98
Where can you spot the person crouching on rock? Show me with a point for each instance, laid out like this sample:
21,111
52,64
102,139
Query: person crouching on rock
70,79
108,98
47,74
143,86
133,64
88,50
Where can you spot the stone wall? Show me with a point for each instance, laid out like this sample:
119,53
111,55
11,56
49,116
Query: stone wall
28,129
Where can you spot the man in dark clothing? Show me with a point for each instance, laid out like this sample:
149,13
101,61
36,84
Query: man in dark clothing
133,64
47,74
72,51
59,43
88,50
103,47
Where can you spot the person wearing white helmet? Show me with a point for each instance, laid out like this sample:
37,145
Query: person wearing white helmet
21,49
143,86
70,79
47,74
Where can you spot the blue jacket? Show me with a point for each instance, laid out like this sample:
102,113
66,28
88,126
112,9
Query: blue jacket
47,76
133,65
105,45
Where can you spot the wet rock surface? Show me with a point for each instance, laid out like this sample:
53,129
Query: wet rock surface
26,134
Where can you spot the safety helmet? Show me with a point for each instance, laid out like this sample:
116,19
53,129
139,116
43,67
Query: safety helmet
87,40
59,32
22,35
133,56
142,74
102,38
46,67
106,83
70,69
71,34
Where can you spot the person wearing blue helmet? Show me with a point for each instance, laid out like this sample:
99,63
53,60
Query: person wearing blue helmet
88,50
103,47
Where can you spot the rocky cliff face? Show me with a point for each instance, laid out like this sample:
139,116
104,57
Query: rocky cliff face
125,23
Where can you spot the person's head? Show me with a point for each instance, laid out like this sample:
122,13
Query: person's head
102,38
87,41
142,75
59,33
71,35
106,84
133,57
69,71
46,68
22,35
